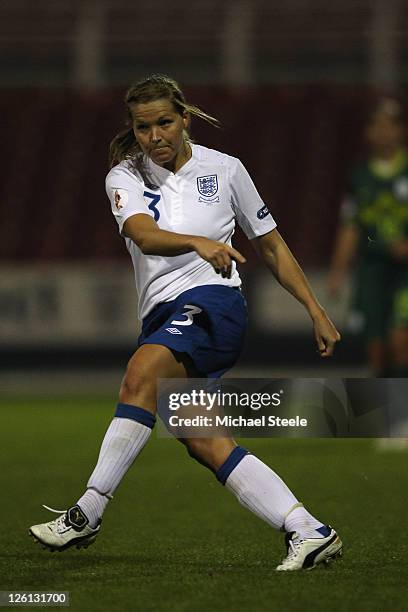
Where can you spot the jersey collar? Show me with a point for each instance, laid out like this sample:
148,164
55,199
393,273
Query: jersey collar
161,172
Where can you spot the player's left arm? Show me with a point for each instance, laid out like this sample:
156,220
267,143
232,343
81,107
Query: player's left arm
273,250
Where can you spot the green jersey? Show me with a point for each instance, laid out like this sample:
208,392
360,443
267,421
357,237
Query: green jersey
377,204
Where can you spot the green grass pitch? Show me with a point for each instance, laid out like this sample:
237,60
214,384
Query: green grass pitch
174,540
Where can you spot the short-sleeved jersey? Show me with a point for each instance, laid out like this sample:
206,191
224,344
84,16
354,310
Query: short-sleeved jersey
209,193
377,203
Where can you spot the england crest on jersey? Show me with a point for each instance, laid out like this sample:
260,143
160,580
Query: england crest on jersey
207,188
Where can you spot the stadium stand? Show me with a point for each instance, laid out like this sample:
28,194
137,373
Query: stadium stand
295,40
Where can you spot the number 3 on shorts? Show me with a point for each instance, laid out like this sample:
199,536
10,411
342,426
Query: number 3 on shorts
189,314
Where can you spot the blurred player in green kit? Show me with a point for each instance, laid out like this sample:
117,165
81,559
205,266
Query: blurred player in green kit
374,234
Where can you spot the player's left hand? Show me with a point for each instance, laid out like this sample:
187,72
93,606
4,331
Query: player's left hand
325,333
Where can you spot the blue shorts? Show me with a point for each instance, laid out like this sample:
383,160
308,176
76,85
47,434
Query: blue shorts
207,323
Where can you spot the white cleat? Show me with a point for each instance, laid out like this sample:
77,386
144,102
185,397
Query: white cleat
310,552
70,529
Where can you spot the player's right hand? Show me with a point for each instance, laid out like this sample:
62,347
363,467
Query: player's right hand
325,333
218,254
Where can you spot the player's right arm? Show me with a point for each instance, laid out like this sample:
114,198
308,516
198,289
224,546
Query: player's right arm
126,194
151,240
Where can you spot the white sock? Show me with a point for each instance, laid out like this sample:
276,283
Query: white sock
93,504
262,491
123,441
304,523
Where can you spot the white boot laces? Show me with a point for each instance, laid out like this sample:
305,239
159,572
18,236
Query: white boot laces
53,510
294,546
58,523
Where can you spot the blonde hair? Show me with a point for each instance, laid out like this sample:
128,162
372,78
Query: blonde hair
154,87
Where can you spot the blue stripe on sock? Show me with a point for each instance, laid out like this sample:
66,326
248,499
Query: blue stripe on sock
231,463
127,411
325,530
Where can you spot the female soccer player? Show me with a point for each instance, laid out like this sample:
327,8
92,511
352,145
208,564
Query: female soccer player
176,204
374,231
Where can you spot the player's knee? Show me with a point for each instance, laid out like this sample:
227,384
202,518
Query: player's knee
135,384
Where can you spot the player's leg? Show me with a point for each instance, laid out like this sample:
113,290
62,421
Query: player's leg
125,438
377,355
373,303
256,486
399,331
210,452
132,424
399,352
259,489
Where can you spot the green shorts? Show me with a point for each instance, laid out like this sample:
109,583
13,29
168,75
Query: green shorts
400,307
381,298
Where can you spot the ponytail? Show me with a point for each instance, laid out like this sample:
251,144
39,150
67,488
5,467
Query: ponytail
123,146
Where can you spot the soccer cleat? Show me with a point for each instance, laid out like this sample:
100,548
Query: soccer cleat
70,529
309,552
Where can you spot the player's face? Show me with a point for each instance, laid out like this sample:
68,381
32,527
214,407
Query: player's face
159,130
384,134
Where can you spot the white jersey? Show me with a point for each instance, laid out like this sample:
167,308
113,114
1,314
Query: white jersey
204,198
